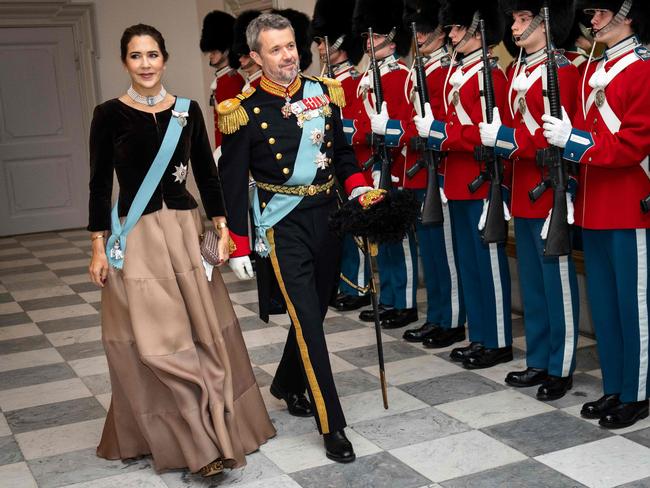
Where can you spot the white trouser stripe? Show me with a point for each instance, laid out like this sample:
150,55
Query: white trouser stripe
567,305
361,272
451,262
498,295
406,245
641,292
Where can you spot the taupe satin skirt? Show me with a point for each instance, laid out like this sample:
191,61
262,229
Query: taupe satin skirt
183,388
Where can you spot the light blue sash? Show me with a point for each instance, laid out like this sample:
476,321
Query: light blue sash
116,244
304,171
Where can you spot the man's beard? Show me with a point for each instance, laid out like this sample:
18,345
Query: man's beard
283,76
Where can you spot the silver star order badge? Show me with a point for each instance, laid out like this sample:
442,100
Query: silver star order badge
316,136
180,173
321,161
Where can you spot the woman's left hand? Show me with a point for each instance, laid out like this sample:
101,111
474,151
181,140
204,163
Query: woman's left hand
223,246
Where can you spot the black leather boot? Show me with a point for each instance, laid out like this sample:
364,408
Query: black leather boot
600,408
486,358
625,414
369,315
400,318
297,403
338,448
527,377
346,303
421,333
554,387
461,353
445,338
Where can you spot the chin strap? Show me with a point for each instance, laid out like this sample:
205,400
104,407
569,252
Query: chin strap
389,38
471,30
618,18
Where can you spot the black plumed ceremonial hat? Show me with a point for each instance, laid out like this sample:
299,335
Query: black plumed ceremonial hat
217,32
561,14
423,12
300,23
639,13
333,18
454,12
383,16
239,44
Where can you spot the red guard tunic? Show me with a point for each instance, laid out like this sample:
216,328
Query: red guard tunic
227,84
522,135
612,142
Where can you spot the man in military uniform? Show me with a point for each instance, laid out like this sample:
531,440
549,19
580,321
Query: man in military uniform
216,41
398,264
483,267
445,305
239,54
549,286
333,18
609,138
288,135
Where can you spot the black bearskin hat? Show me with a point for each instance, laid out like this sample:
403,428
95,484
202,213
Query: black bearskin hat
217,34
424,13
508,40
300,23
639,13
333,18
239,44
561,14
454,12
378,215
581,21
383,16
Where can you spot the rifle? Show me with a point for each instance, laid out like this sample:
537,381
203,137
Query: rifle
380,153
329,72
496,227
645,204
432,205
558,240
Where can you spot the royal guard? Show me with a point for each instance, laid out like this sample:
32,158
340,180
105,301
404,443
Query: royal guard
609,139
333,19
301,27
483,267
549,285
239,54
216,41
445,318
398,264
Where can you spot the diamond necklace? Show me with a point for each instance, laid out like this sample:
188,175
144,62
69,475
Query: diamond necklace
151,101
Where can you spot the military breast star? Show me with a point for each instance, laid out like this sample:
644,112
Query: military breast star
180,173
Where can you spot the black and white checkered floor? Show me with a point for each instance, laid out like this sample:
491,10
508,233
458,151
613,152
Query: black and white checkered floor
445,427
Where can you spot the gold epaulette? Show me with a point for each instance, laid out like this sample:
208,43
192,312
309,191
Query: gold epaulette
335,89
231,114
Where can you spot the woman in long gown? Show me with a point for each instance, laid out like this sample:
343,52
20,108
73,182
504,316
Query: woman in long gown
183,388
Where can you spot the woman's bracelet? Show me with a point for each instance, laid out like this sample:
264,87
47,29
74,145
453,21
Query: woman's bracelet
98,236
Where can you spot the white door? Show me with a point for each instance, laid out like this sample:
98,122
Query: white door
43,155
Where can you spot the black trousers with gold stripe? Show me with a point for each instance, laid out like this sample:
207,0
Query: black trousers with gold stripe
305,257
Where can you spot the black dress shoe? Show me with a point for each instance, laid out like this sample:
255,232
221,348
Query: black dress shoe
369,315
486,358
527,377
345,303
445,338
421,333
460,354
554,387
400,318
624,415
601,407
336,298
338,448
297,403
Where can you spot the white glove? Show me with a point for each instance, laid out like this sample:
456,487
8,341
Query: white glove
489,131
242,267
376,176
443,197
358,191
556,131
569,217
423,124
378,121
481,221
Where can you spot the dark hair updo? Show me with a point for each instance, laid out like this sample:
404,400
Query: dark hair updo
142,30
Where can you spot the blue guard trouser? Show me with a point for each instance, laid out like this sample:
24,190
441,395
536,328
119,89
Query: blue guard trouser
353,267
617,286
485,277
445,303
549,289
398,273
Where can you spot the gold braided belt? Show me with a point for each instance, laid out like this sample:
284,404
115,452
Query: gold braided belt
298,190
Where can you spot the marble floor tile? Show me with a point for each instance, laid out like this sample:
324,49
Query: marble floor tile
93,296
74,263
21,280
395,350
137,479
585,387
14,319
449,388
61,312
244,297
74,255
54,414
4,426
17,475
18,263
84,287
262,377
252,323
271,353
89,366
286,425
339,365
457,455
640,436
24,344
272,404
355,381
9,275
33,376
60,439
29,359
523,474
243,311
9,451
595,372
51,302
18,331
282,319
376,471
494,408
74,336
70,323
81,270
105,400
31,396
98,383
306,451
75,278
284,481
408,428
340,324
81,350
54,242
587,358
499,372
13,251
602,464
353,339
267,335
10,307
416,369
369,405
64,251
547,432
